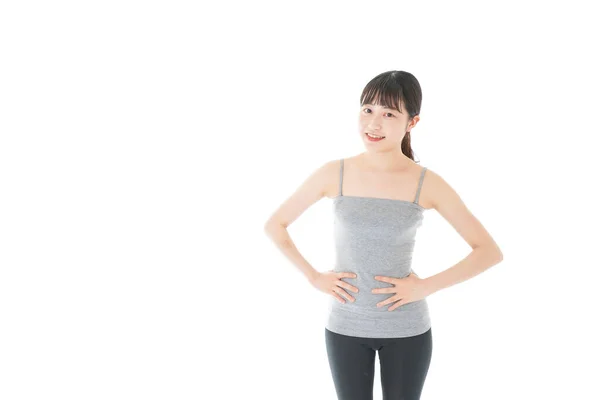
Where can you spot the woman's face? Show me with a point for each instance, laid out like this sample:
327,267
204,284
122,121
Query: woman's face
387,122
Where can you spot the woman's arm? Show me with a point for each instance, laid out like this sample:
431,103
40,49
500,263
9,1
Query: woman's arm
310,191
485,253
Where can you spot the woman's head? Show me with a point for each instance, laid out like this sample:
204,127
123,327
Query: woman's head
389,106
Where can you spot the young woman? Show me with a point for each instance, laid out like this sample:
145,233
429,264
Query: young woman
379,200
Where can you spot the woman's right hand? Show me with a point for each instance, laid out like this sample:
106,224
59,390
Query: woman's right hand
330,283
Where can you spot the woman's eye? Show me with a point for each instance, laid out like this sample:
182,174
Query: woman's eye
390,114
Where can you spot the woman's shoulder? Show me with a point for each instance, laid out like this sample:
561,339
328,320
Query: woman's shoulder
331,172
435,188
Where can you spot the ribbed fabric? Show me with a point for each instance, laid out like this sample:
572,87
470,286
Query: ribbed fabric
375,236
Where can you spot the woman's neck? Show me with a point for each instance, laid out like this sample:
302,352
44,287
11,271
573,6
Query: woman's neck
389,161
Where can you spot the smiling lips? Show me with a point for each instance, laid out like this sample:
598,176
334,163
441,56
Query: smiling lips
374,138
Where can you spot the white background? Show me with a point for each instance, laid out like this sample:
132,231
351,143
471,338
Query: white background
143,145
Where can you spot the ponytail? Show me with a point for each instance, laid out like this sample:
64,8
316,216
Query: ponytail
406,147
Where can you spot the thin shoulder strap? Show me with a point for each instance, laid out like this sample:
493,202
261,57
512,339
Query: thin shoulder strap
420,184
341,174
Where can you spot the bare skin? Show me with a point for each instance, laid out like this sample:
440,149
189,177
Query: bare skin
383,171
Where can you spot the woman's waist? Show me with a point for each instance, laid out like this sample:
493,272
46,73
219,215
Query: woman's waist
396,266
366,306
366,273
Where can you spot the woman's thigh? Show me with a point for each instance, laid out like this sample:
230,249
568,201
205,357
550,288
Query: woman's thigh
352,363
404,363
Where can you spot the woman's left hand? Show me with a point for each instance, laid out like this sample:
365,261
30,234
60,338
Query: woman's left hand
406,290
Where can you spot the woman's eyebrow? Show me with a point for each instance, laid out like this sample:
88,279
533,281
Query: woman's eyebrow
387,108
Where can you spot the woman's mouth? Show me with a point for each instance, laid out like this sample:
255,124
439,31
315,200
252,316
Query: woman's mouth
374,138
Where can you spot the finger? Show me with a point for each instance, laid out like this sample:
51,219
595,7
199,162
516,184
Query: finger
337,296
385,290
346,275
346,286
384,278
398,304
343,293
388,301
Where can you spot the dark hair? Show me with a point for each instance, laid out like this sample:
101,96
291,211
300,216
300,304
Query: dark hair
390,89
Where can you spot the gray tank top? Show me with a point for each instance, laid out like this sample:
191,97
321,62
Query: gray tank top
375,236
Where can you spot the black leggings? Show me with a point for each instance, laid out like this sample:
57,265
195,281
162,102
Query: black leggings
403,363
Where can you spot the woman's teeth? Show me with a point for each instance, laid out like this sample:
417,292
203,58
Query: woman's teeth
374,137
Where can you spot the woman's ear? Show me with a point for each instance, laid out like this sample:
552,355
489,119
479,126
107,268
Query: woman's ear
414,121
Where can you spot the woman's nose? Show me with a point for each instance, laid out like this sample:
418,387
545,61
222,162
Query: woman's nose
374,123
